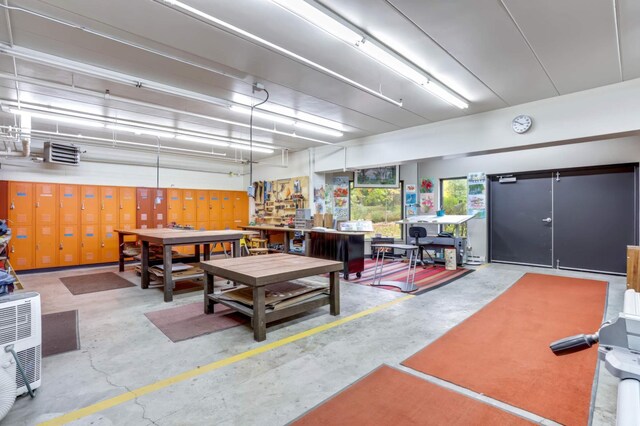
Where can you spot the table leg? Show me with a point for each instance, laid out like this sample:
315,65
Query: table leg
307,244
334,293
207,251
196,250
144,265
208,289
259,314
120,252
168,269
236,248
286,242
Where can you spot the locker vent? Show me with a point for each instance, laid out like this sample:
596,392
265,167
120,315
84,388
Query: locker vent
61,154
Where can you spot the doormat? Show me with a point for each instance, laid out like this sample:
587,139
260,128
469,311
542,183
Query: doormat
180,287
503,352
91,283
388,396
426,279
189,321
60,333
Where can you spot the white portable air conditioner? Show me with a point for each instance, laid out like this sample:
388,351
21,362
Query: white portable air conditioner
21,326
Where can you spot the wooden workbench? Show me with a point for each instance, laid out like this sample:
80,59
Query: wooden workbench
167,238
258,272
286,231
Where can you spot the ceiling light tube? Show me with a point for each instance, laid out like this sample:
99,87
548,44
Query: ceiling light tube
272,117
318,129
248,148
273,46
139,131
374,50
201,140
59,119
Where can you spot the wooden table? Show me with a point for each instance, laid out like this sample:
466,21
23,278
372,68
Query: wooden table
168,238
260,271
264,229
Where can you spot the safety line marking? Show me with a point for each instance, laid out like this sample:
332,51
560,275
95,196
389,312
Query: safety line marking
128,396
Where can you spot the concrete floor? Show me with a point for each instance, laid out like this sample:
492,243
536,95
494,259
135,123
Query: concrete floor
122,350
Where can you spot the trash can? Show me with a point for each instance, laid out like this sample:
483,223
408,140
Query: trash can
450,259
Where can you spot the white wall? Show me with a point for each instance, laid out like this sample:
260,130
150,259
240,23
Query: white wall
610,151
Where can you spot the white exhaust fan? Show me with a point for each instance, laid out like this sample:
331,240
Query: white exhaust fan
61,154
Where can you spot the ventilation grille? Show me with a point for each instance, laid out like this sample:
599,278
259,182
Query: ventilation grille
30,361
61,154
15,323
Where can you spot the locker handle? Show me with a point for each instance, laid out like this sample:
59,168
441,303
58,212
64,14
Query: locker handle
138,207
121,206
102,244
37,204
13,206
13,249
102,206
82,206
37,246
61,204
82,244
61,246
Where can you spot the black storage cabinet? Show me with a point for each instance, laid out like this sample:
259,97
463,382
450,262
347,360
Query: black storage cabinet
341,246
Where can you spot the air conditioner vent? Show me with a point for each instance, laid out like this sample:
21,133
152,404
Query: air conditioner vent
61,154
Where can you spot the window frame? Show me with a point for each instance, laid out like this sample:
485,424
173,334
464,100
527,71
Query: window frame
402,206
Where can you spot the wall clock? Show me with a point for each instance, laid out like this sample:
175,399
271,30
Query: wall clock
521,123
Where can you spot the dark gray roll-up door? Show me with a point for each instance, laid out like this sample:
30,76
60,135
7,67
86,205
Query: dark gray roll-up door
517,212
594,218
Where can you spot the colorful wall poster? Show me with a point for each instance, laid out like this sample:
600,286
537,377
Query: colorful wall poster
427,202
412,211
426,186
319,196
477,193
410,195
341,198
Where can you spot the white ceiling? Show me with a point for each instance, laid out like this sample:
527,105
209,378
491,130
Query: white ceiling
494,53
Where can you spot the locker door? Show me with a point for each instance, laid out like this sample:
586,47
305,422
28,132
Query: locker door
46,199
108,243
89,205
215,213
174,206
202,226
68,242
144,218
159,207
126,206
69,204
202,206
21,204
108,205
46,247
240,209
21,248
189,207
226,206
89,244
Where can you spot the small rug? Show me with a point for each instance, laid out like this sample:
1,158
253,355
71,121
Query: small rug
426,279
91,283
189,321
60,333
503,352
181,287
388,396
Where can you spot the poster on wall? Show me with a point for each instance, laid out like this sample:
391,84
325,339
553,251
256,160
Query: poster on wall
319,197
427,203
341,198
426,186
410,195
378,177
477,190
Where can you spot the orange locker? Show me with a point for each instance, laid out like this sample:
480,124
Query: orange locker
226,206
21,204
202,206
46,200
174,206
144,215
68,241
189,207
108,243
240,209
202,226
21,248
46,252
215,212
159,208
69,204
108,204
89,205
89,244
126,206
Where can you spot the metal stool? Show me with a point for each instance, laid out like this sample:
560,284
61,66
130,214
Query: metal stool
411,251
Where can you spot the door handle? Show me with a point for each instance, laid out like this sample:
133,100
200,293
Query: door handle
547,220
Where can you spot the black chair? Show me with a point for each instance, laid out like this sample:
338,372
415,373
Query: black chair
418,232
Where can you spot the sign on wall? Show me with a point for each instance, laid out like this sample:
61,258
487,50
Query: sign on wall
477,193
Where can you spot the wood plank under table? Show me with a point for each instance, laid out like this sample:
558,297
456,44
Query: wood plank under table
168,238
258,272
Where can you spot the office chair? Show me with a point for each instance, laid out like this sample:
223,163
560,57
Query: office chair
418,232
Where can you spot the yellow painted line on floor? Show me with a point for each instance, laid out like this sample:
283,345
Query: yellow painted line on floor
128,396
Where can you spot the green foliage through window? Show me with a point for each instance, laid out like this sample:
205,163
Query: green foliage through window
382,206
454,198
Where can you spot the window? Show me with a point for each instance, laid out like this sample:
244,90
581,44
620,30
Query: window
382,206
453,199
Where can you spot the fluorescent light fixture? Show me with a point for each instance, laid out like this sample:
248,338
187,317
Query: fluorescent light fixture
201,140
138,131
248,148
374,50
318,129
58,118
220,23
274,118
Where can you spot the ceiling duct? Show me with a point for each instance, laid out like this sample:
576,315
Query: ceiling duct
61,154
